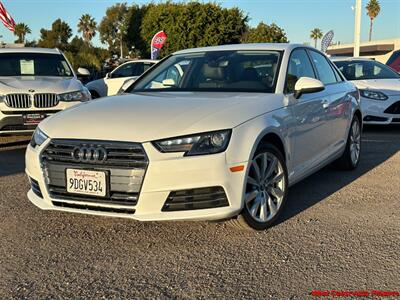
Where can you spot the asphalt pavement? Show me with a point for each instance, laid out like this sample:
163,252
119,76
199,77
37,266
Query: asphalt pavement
340,231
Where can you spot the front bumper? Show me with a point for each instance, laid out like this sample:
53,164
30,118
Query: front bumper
11,119
165,173
375,112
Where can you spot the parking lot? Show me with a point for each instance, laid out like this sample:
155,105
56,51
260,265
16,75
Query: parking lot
340,231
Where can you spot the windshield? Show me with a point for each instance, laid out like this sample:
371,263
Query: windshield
365,69
230,71
34,64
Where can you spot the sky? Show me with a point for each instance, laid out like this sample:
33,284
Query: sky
296,17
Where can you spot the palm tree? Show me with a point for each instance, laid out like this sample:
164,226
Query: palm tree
373,9
88,26
21,30
316,34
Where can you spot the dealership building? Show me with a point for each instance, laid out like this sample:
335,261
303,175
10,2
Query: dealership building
380,50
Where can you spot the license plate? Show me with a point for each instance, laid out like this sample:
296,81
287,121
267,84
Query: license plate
85,182
33,119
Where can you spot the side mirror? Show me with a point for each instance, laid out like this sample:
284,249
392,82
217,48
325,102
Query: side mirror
307,85
83,72
108,75
127,83
168,82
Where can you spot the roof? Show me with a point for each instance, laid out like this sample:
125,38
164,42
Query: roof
30,50
364,49
258,46
141,60
346,58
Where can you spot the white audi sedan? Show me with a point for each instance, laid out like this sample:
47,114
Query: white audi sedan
223,139
379,87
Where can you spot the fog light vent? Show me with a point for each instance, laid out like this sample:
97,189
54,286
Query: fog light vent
375,119
201,198
36,188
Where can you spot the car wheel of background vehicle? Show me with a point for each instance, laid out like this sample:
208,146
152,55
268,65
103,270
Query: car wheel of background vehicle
351,156
266,189
94,94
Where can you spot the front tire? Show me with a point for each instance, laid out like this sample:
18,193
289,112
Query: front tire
266,189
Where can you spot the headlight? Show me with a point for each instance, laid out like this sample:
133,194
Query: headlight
82,95
38,138
2,98
375,95
202,143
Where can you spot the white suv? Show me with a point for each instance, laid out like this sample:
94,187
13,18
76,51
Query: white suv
224,136
35,83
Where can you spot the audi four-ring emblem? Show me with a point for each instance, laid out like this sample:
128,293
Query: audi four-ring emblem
89,154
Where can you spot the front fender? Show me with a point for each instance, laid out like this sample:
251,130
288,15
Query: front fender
247,136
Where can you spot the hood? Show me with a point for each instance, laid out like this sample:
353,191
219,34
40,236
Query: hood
388,86
152,116
40,84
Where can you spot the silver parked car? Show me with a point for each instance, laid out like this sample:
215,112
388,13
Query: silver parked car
379,88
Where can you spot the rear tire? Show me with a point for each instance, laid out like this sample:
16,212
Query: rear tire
266,190
351,155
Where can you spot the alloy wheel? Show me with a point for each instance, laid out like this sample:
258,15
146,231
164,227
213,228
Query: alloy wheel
355,142
265,187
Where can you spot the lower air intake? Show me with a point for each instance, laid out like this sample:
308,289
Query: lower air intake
393,109
94,208
201,198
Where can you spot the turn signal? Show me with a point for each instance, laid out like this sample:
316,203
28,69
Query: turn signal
237,168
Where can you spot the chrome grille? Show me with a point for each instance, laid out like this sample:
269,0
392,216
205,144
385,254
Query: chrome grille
45,100
126,164
119,154
18,100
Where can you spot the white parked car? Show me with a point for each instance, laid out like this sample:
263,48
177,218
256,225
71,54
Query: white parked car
379,87
111,84
223,140
35,83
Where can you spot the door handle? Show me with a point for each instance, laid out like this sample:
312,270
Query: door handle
325,104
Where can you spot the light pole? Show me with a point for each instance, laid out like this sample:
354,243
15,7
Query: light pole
120,31
121,48
357,28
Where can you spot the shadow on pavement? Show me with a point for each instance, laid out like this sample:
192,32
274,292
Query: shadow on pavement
378,145
12,161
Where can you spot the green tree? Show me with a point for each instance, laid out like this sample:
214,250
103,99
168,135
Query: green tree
57,36
373,8
265,33
83,54
191,24
133,39
316,34
87,26
114,27
21,30
32,43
